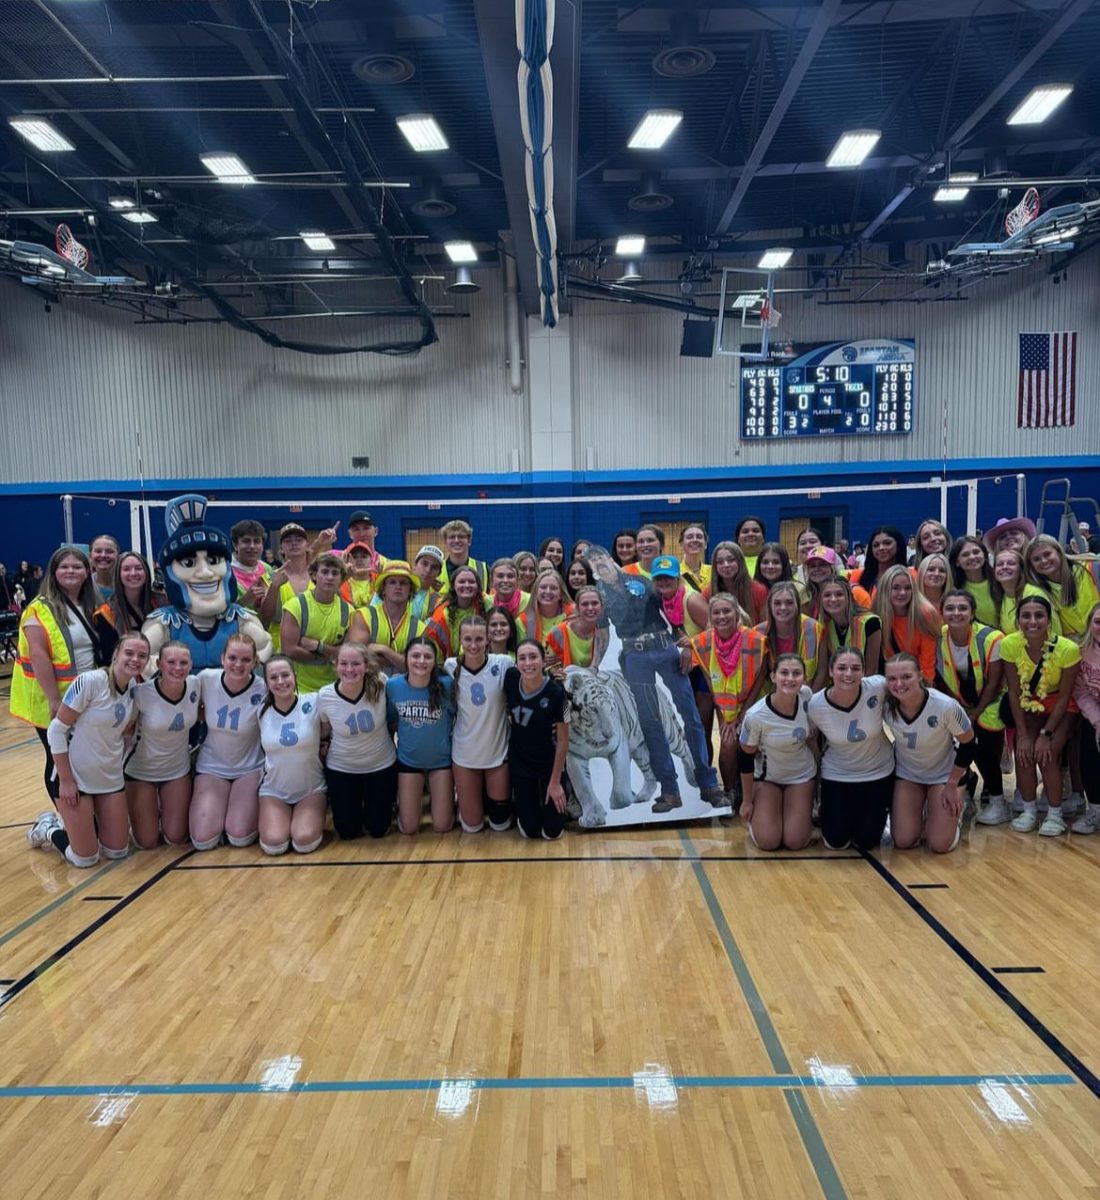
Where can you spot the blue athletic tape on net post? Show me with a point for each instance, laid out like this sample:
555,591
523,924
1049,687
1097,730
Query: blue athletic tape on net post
534,37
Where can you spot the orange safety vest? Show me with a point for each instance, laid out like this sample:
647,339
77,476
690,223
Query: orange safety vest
982,640
857,634
731,691
809,643
28,700
532,624
569,648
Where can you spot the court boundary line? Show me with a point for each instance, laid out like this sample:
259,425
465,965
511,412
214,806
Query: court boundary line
1046,1035
270,864
37,971
46,909
537,1083
810,1135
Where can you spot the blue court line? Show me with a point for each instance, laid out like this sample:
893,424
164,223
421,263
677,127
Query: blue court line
531,1083
812,1141
45,911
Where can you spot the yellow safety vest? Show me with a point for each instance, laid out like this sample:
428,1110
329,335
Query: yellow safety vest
982,640
381,631
326,622
28,700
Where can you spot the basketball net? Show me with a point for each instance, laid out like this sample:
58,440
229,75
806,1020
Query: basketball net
1024,213
770,315
69,248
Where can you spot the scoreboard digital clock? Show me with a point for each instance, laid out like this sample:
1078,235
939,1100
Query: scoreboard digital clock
834,389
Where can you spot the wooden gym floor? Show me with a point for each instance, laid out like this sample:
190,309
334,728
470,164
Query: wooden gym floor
662,1013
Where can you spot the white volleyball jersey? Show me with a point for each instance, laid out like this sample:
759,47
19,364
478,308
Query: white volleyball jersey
292,746
783,755
856,748
232,745
163,752
361,739
924,748
96,749
480,737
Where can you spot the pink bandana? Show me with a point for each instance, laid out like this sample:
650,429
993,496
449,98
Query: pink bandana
728,653
674,607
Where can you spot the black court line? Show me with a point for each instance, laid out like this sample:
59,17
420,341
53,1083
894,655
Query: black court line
1047,1036
21,984
1018,970
913,887
17,825
3,981
561,858
87,898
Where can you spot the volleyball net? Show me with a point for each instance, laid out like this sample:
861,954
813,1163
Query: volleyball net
505,524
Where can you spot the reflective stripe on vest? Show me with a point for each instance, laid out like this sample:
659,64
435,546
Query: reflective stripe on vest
809,643
407,628
730,691
982,640
857,634
570,648
28,701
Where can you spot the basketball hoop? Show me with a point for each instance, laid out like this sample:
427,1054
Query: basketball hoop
69,248
770,315
1024,213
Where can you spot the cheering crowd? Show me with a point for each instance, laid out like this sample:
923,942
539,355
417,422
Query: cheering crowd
858,696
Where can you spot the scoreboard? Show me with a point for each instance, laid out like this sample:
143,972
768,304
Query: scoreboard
835,389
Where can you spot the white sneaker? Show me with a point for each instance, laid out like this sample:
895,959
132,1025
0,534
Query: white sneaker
39,833
1073,805
1026,822
1054,825
1089,822
995,812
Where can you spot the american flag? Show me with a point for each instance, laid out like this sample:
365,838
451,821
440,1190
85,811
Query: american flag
1047,393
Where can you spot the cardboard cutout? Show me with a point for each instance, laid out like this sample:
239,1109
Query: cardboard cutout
637,749
202,590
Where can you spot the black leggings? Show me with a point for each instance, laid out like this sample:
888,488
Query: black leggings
360,801
1090,761
855,813
988,747
535,815
49,776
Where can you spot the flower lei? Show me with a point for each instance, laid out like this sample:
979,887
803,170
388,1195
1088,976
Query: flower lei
1034,703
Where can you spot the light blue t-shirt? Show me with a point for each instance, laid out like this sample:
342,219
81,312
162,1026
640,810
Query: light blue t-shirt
423,732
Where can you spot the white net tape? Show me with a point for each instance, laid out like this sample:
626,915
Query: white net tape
1024,213
68,247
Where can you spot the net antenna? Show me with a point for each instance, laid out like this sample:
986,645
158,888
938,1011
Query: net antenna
1024,213
753,299
69,248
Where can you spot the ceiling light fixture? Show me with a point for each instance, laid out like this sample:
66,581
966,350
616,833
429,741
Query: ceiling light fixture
630,245
948,193
460,252
654,129
631,274
422,132
772,260
853,147
464,282
119,203
41,134
318,241
1039,103
227,167
141,217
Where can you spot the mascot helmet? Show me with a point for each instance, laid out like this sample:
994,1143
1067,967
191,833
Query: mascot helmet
188,533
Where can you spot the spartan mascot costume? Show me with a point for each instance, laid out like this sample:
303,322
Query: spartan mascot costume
202,611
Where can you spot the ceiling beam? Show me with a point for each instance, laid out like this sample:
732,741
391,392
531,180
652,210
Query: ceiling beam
1069,14
823,19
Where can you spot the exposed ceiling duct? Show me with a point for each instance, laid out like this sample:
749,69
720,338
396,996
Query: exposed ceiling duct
683,57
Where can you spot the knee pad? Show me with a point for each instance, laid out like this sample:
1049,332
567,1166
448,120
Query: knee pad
499,813
81,860
829,846
471,828
281,848
208,844
522,832
239,842
551,837
306,847
109,852
177,845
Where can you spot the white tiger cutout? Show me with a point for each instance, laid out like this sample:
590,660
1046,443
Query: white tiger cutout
603,723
